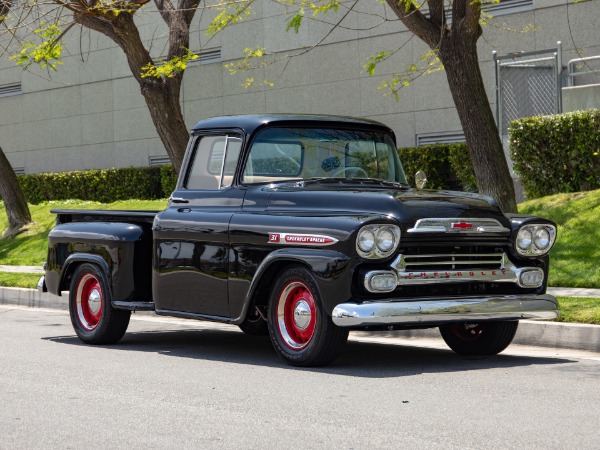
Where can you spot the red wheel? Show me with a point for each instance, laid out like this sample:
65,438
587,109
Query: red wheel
300,329
296,315
485,338
88,300
94,319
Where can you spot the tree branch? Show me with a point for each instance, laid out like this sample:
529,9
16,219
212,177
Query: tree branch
416,21
437,12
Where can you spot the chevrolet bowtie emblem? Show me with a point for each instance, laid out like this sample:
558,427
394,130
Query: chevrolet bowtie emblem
462,225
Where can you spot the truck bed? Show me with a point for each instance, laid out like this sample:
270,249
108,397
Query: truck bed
103,215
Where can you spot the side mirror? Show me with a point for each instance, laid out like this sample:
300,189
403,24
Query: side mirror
420,179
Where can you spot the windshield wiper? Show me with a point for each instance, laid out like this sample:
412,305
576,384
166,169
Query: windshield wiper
342,180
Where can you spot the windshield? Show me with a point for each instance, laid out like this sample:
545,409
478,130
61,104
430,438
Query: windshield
282,154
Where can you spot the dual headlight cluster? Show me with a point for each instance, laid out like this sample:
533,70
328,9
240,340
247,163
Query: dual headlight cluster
535,240
377,241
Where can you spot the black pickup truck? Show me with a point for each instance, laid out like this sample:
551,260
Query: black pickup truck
303,228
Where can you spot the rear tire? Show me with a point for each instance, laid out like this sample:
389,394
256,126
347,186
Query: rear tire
94,319
301,331
479,339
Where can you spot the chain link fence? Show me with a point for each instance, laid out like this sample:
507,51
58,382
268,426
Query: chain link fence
527,84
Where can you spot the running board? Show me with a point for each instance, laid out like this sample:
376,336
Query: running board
133,306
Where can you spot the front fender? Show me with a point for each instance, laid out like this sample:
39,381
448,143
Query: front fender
329,267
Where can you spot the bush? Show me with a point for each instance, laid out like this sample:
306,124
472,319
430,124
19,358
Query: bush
559,153
447,166
105,185
168,179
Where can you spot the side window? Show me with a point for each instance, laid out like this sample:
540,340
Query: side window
214,162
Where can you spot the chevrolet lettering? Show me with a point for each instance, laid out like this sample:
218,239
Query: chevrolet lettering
303,228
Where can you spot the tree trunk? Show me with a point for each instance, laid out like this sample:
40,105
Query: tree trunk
459,57
14,199
161,95
456,46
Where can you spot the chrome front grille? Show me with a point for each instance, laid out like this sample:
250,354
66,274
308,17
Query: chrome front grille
442,262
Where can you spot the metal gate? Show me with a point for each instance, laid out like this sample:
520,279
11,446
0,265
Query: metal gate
527,84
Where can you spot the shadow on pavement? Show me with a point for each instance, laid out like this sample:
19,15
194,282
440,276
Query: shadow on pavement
359,359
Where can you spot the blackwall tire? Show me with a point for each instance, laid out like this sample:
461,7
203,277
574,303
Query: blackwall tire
479,339
301,332
94,319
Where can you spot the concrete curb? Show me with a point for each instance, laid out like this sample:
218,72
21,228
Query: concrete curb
532,333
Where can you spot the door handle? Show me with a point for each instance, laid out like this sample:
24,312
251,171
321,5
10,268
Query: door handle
179,200
184,210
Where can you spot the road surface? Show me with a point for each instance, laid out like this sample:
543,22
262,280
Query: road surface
173,383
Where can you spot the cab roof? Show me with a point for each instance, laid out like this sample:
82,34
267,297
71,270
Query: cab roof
249,123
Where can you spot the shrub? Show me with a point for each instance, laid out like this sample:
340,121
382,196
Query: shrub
168,179
447,166
105,185
558,153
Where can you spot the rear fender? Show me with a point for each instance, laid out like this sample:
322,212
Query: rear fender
109,245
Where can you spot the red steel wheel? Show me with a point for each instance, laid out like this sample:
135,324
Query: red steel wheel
300,327
90,305
89,300
296,315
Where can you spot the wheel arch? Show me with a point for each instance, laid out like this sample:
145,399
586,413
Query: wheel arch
324,265
74,261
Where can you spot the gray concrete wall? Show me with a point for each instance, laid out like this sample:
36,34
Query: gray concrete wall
581,97
92,115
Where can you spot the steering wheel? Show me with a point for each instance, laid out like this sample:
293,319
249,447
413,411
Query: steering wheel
354,171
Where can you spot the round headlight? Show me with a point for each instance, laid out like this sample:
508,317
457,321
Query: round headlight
541,238
385,240
524,239
366,240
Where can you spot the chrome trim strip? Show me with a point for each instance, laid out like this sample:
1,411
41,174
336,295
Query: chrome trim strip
446,225
437,311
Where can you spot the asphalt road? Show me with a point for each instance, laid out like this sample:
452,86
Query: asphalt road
181,384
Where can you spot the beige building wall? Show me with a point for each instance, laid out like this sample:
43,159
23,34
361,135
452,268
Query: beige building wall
90,114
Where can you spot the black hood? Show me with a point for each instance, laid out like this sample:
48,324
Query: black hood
405,205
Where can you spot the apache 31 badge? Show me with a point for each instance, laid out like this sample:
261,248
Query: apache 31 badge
300,239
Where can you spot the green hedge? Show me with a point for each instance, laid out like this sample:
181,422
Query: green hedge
447,166
105,185
559,153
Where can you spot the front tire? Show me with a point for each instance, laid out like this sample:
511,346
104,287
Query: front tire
301,331
479,339
94,319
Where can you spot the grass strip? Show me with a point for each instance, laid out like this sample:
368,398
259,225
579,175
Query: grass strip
21,280
579,310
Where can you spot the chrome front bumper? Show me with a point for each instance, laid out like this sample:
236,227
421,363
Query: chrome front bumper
438,311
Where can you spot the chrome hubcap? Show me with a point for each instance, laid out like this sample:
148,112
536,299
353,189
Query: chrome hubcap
94,301
302,315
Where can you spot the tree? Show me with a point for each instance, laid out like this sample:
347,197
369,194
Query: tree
10,189
159,78
455,44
